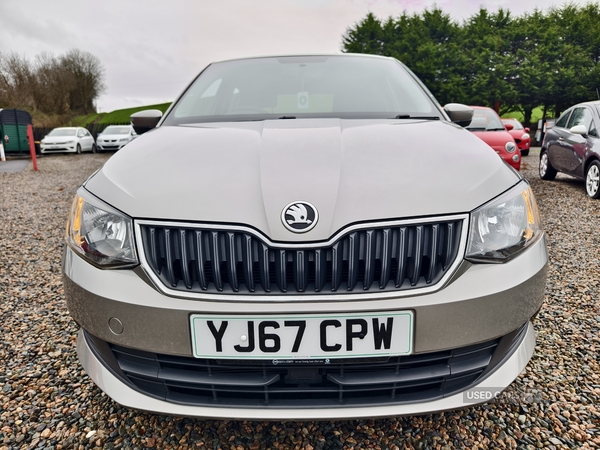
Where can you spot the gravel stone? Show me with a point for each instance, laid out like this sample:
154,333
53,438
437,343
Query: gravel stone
47,400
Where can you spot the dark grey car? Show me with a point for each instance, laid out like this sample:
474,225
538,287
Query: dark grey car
572,146
304,237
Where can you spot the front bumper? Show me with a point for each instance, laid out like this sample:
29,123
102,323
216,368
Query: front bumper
481,302
58,148
129,396
112,146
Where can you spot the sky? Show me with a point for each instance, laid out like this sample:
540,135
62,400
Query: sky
152,49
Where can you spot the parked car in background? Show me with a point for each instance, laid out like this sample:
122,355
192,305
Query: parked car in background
69,140
488,127
572,146
114,137
519,133
304,237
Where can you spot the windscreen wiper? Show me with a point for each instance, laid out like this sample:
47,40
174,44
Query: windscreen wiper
408,116
287,117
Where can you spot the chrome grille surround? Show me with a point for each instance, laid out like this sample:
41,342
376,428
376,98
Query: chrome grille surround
295,265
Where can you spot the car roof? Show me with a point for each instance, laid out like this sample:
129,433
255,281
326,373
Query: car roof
306,55
593,102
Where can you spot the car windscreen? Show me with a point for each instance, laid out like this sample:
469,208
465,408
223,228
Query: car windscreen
116,130
485,120
62,132
303,87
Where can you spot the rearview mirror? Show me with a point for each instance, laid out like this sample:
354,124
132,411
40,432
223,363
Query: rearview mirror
146,120
508,126
459,113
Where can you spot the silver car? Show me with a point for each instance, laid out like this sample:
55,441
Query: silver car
304,237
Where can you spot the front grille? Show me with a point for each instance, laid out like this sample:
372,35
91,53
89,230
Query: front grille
370,382
232,261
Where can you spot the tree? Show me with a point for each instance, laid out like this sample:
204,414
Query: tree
488,49
87,79
365,37
16,81
52,85
50,94
531,61
543,58
571,71
426,43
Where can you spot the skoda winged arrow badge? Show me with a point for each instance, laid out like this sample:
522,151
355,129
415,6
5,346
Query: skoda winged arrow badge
299,217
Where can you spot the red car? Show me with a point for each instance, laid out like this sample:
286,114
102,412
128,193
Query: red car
519,133
486,125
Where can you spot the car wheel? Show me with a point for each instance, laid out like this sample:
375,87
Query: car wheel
94,149
592,180
547,172
78,151
524,152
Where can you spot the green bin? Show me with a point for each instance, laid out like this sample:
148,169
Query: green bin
13,130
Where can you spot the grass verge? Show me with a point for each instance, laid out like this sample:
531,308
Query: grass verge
118,116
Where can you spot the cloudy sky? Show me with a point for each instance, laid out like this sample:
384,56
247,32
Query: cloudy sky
151,49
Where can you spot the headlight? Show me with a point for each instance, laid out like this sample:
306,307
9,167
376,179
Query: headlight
525,136
510,147
504,227
100,234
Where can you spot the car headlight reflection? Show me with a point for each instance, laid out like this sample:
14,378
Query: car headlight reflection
101,234
504,227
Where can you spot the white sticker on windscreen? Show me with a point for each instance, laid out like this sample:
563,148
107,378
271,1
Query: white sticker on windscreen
302,100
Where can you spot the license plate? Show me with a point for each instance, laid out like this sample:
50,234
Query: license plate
54,146
292,337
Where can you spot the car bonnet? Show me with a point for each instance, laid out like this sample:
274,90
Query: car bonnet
350,170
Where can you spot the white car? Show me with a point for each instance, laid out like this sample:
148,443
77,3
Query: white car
69,140
114,137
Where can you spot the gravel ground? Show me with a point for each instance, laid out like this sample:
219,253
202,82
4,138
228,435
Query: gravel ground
47,401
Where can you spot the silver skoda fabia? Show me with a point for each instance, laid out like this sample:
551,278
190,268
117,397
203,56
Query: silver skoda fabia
304,237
